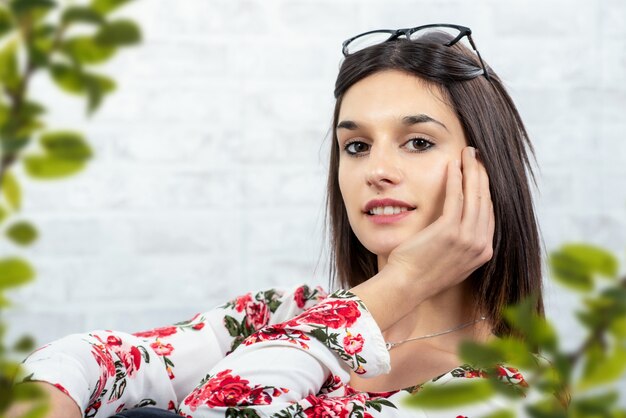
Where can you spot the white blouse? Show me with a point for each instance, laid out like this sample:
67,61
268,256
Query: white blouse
273,353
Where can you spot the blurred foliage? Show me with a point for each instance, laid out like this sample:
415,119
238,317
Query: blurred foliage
577,383
63,40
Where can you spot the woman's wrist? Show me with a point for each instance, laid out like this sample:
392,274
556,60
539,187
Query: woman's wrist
389,295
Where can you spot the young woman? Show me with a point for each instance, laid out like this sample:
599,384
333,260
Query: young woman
432,234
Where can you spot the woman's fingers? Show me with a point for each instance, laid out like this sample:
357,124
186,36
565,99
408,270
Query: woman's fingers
471,190
476,235
453,203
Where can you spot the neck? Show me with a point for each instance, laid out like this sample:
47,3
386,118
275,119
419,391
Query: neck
441,312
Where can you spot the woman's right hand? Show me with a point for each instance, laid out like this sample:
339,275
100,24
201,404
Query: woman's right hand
460,241
441,255
60,405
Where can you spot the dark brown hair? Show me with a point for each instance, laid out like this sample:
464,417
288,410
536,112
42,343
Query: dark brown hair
491,124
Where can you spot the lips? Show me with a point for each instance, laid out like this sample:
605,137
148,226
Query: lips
381,203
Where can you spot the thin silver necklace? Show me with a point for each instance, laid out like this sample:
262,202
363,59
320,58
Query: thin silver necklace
391,345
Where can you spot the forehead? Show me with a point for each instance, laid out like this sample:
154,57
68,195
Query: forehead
392,94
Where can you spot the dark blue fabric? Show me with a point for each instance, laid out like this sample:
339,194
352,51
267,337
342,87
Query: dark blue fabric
146,413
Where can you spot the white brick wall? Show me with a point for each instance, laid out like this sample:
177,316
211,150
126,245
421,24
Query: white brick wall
209,173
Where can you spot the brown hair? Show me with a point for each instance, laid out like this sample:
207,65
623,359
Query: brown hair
491,124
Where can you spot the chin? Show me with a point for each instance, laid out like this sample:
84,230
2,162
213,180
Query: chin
382,246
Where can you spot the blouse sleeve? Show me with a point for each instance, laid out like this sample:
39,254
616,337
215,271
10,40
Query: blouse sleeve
105,372
279,370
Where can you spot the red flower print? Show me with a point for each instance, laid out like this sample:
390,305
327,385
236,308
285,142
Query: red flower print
170,372
104,360
131,357
471,374
299,297
242,301
225,389
162,349
61,388
128,354
332,383
257,315
324,407
157,332
112,340
353,344
332,313
171,406
92,409
278,332
198,326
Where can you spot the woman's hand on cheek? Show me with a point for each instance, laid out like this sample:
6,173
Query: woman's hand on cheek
461,240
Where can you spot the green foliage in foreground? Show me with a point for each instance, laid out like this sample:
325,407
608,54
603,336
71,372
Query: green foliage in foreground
578,383
64,42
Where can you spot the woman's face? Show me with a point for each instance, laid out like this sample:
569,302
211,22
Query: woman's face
396,135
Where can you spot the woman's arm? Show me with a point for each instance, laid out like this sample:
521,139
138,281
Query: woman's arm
105,371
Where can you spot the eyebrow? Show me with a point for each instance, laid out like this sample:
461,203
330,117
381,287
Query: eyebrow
407,120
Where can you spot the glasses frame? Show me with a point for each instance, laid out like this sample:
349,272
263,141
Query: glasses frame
407,32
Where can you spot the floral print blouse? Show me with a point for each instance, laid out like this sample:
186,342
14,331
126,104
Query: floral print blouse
273,353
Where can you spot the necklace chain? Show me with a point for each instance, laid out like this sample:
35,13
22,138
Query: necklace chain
391,345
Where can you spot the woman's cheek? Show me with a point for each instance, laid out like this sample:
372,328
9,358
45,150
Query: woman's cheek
434,185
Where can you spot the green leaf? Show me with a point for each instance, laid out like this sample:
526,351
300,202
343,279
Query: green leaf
576,265
22,233
14,272
601,370
11,144
480,355
595,259
320,335
537,331
41,44
84,50
8,66
232,326
451,394
107,6
119,33
67,78
518,353
82,14
618,328
501,413
12,191
97,87
66,145
6,21
25,344
47,167
37,9
596,405
74,81
4,301
546,408
3,214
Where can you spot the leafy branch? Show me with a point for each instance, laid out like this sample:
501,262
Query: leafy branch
65,42
558,383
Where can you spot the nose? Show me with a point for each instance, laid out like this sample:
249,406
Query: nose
383,170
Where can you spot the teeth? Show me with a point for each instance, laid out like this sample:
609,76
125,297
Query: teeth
387,210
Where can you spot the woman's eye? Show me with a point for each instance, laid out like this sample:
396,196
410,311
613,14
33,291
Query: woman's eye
419,144
356,147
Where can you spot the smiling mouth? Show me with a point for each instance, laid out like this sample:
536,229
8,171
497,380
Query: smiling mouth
388,210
